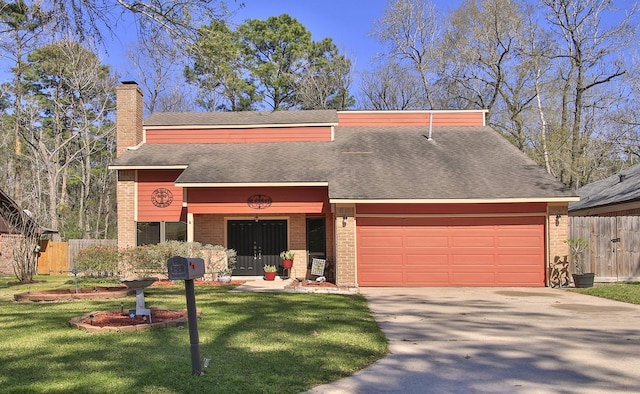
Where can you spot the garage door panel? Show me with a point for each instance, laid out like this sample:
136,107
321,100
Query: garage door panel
381,278
428,279
472,278
481,240
434,260
519,278
519,242
434,241
382,242
518,261
464,252
473,260
384,260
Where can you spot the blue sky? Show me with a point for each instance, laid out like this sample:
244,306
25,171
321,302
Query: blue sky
347,22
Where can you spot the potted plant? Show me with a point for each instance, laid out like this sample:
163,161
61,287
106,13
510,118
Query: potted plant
577,247
287,258
269,272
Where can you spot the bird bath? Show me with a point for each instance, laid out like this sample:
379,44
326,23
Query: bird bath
139,284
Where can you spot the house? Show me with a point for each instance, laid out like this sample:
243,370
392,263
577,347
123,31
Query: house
388,198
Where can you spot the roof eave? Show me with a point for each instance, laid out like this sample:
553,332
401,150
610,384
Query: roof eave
452,200
252,184
143,167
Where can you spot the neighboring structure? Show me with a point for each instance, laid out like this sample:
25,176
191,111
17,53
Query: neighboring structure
608,216
617,195
391,198
14,224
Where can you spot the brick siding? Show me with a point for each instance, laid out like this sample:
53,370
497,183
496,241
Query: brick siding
345,246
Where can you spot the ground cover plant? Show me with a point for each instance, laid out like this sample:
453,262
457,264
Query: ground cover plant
620,291
257,342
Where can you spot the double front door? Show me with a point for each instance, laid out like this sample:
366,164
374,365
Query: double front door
256,243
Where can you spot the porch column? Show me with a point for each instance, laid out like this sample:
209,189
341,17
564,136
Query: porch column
345,232
190,227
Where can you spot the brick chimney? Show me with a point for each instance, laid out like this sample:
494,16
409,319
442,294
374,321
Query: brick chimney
128,116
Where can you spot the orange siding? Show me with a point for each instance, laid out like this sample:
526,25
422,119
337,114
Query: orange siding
235,200
451,251
383,118
150,181
238,135
403,209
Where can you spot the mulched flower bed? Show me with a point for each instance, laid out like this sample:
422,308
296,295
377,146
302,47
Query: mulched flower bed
119,321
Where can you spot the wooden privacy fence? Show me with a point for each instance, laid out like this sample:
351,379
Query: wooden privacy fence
614,246
59,257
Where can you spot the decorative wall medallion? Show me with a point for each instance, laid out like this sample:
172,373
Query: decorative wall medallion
259,201
162,197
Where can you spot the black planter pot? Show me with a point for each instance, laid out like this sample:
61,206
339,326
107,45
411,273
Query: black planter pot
583,280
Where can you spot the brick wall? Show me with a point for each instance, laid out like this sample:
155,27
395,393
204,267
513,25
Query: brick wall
209,229
558,232
6,254
345,246
126,209
128,116
298,244
128,133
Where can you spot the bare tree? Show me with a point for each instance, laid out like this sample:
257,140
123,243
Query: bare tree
159,63
586,61
389,87
326,82
90,20
410,29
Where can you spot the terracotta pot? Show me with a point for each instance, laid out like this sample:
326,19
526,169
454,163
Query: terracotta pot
287,263
270,275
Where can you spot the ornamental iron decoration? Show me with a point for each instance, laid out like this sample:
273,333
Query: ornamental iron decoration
162,197
259,201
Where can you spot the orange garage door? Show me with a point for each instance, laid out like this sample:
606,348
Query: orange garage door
451,251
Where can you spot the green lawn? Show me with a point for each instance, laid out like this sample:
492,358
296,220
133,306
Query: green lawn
621,291
258,343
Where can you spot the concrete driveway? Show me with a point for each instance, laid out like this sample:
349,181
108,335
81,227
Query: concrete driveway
499,340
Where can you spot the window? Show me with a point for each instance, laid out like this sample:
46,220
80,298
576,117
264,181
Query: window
316,238
156,232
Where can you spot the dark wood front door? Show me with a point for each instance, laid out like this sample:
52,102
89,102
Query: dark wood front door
257,244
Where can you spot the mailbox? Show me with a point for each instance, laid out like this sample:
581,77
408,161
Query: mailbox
185,268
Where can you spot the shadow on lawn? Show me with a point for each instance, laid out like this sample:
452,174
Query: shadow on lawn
258,343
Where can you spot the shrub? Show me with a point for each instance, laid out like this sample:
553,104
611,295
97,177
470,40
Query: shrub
151,260
218,260
98,260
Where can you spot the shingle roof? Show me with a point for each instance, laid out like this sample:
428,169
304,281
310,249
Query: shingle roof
370,163
618,188
241,118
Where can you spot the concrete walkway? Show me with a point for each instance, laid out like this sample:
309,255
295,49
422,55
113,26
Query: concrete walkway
258,284
499,340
